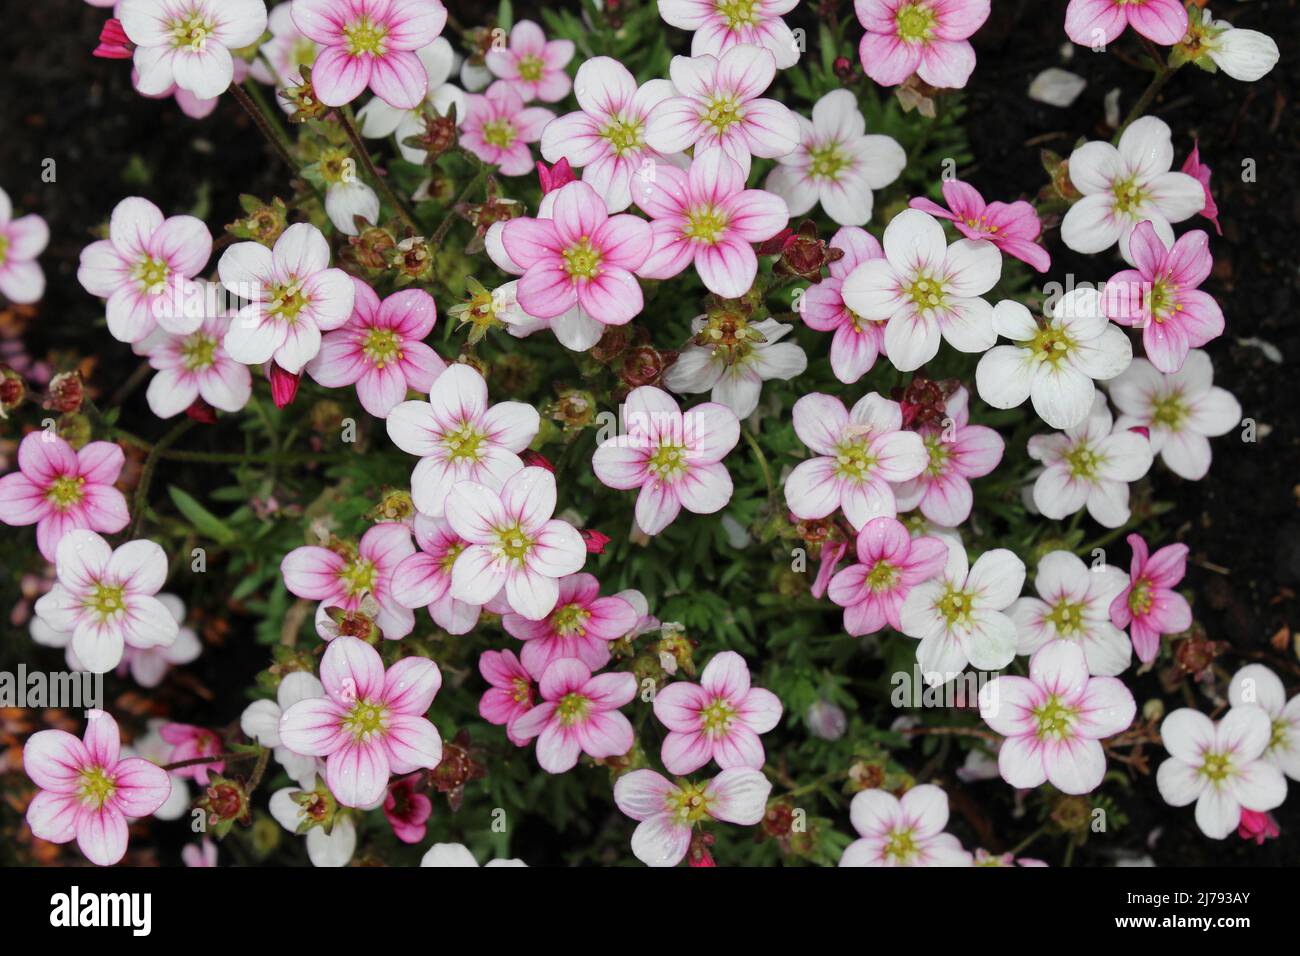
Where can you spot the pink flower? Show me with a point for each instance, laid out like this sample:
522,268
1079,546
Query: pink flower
1258,827
926,37
343,578
668,813
720,26
1055,719
460,437
1193,167
890,564
578,714
114,44
581,257
717,719
21,241
196,366
498,129
190,743
370,43
718,106
294,297
195,107
143,255
1161,297
1011,227
202,853
60,490
423,579
674,458
531,65
369,724
281,58
188,42
511,694
907,832
858,453
856,342
515,544
581,626
381,350
606,137
1094,23
105,598
407,810
958,452
87,790
705,215
1150,606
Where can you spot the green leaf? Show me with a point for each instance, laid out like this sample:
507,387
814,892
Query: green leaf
203,520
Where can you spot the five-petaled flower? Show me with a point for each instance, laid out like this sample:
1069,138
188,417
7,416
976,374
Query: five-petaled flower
720,25
1012,227
581,625
1149,606
21,240
498,128
906,832
187,43
890,563
925,37
578,714
531,65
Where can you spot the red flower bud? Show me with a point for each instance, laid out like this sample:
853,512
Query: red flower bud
594,540
536,459
114,44
558,175
202,412
284,385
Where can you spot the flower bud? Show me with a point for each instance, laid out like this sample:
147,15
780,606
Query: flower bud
114,44
66,393
284,385
13,390
303,100
826,720
263,222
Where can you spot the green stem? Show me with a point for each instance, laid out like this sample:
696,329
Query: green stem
359,146
441,232
195,761
146,472
762,463
1157,83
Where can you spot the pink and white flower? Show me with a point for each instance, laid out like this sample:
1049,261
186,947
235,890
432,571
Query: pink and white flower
1256,685
719,106
581,626
706,216
1149,606
719,27
1073,604
960,616
187,43
924,289
858,454
189,742
581,257
890,564
856,342
836,162
718,719
1193,167
260,721
531,65
1126,184
21,240
1180,412
106,598
377,119
1012,227
148,666
457,854
511,695
369,724
675,458
295,296
515,546
606,137
1094,23
459,437
1053,363
60,490
144,257
370,43
906,832
958,452
381,349
282,57
331,836
667,813
734,375
927,37
1245,55
498,128
195,366
578,714
343,578
1090,465
423,579
88,790
1160,296
1219,767
1055,719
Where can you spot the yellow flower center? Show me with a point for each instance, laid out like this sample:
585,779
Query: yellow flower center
623,135
668,461
901,846
96,787
287,300
716,718
358,576
582,260
1217,767
925,291
191,31
152,274
499,133
1054,719
1084,462
1051,344
722,113
739,13
382,347
690,804
827,161
706,224
366,719
915,22
1129,196
853,459
107,601
464,442
364,36
531,68
66,491
571,620
514,543
572,708
1067,617
199,352
882,577
955,606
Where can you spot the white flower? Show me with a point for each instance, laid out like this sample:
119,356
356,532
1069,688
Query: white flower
457,854
703,367
378,119
334,848
836,163
1073,604
1218,767
347,199
1054,364
1090,464
958,615
188,42
1123,186
1180,411
1245,55
925,288
261,722
1256,685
